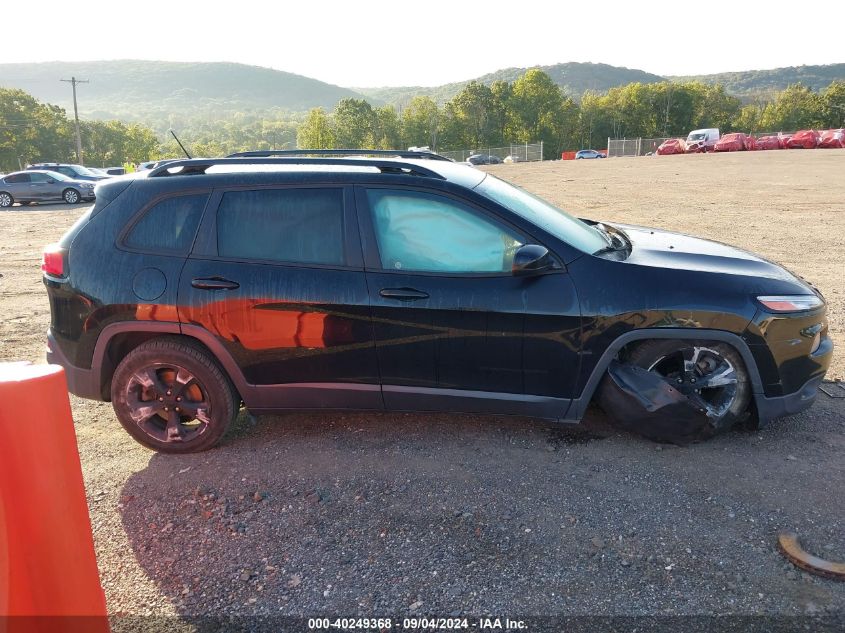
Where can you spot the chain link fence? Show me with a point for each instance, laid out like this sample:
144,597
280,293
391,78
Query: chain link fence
520,153
633,146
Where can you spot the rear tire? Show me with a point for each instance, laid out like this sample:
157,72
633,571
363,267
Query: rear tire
6,200
695,364
171,397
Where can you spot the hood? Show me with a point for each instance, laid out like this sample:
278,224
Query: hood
665,249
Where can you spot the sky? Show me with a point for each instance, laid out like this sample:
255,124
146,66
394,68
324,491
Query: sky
361,43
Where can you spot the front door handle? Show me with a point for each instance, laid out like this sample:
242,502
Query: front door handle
214,283
403,294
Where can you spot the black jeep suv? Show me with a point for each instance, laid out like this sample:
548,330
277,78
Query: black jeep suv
410,283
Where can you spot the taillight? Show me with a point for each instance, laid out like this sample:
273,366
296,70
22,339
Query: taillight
53,261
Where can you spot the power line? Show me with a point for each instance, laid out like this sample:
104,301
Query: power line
73,81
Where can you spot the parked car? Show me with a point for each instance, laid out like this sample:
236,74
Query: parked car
33,185
484,159
77,172
149,164
734,142
671,146
703,140
412,285
589,153
108,171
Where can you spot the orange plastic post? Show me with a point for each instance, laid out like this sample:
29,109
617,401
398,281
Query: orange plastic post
48,569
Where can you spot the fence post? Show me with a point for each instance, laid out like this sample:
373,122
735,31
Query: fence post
541,150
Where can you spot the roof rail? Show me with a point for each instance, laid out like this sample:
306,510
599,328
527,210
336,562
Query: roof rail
396,153
195,166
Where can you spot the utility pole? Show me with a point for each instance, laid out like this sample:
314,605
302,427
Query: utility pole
73,81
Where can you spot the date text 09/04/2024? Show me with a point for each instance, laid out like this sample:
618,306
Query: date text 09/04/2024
381,624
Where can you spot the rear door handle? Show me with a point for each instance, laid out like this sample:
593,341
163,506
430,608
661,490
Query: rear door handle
214,283
403,294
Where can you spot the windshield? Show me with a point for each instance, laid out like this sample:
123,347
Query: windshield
696,137
537,211
82,171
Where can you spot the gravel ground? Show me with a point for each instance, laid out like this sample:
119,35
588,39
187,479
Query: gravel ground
386,514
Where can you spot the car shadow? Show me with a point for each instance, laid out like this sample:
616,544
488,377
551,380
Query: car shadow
47,206
309,514
269,521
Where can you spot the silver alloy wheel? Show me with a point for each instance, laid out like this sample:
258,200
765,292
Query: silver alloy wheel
5,200
71,196
703,375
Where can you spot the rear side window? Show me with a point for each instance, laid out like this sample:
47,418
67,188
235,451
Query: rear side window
17,178
168,226
302,226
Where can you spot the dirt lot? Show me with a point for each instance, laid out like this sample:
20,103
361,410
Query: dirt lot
388,515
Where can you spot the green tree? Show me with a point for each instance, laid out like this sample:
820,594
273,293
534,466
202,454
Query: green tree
500,111
795,108
421,123
536,107
749,119
108,143
354,123
31,131
713,107
473,111
387,129
833,99
316,132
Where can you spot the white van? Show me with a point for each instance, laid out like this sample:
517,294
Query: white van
702,140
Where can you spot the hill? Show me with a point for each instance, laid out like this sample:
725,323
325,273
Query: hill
574,77
167,93
749,83
148,91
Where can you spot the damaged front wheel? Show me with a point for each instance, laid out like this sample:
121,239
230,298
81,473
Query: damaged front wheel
677,391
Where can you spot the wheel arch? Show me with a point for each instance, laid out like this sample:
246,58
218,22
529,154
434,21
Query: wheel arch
118,339
579,405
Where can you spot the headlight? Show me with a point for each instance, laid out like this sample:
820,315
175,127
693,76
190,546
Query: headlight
90,185
790,303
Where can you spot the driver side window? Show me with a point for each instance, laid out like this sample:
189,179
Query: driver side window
423,232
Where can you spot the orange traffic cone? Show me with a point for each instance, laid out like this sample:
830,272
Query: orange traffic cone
48,570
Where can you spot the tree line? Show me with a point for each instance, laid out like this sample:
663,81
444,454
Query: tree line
532,108
31,131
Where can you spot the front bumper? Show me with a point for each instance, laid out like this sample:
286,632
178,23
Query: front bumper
770,408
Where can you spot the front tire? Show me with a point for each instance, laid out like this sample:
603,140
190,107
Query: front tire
712,375
71,196
172,397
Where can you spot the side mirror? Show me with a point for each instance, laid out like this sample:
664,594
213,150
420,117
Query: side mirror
50,180
531,259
